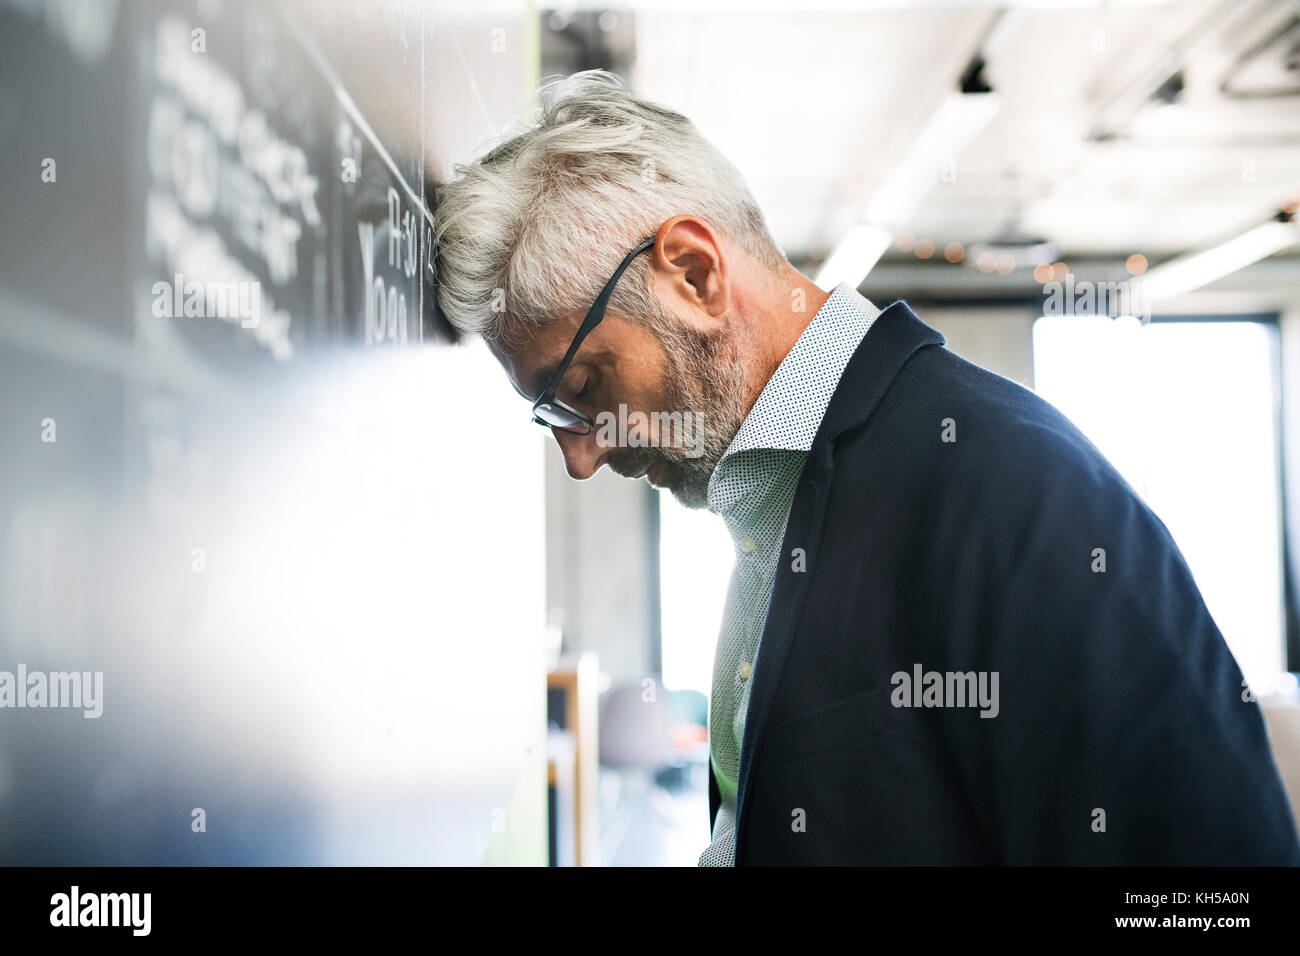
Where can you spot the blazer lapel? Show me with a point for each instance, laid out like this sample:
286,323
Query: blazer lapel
886,347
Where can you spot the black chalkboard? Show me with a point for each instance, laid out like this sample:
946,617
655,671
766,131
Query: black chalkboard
192,502
241,181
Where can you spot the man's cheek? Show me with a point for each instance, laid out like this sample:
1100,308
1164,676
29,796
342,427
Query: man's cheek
624,429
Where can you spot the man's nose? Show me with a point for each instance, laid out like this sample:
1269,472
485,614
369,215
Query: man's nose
582,454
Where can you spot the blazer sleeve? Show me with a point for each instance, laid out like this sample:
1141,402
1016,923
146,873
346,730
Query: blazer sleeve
1124,732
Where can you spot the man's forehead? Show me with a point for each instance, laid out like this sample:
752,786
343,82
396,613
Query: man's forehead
531,359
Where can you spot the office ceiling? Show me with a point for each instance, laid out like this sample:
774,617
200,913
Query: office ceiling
1122,128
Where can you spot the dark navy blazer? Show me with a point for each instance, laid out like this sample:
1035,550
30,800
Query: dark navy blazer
1124,732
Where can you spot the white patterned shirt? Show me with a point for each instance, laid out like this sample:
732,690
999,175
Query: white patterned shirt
752,489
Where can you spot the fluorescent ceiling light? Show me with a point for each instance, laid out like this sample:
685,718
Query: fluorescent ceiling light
954,124
855,256
1201,268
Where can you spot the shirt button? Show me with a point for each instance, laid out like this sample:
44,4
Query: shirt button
748,545
745,668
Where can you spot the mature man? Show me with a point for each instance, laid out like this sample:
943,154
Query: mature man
954,635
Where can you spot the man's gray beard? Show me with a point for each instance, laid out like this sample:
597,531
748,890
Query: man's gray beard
705,376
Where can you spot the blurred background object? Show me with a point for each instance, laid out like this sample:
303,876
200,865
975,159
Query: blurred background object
235,436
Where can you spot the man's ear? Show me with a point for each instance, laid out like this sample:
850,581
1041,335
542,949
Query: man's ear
691,269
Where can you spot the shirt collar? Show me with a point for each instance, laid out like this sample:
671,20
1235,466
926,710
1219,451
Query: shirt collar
790,408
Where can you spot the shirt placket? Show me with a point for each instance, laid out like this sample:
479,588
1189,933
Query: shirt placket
754,578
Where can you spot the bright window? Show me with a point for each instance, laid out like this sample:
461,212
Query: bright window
1187,411
695,561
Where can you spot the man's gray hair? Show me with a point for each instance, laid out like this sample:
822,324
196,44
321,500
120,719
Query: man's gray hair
534,228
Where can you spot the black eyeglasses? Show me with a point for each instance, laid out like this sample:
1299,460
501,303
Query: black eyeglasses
549,410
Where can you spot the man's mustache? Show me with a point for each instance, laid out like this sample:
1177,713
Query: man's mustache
631,462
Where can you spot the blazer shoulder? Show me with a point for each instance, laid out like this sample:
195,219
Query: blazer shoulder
991,453
987,423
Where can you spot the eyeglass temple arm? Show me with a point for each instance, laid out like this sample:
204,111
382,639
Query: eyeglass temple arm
595,314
